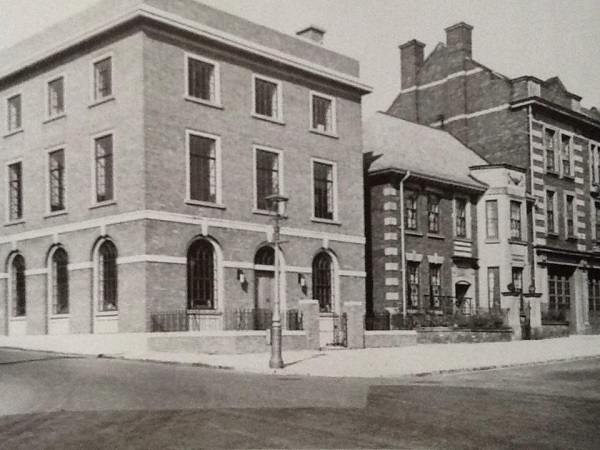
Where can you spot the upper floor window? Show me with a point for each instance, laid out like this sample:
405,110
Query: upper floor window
56,180
551,211
565,148
56,97
570,215
491,218
322,113
517,279
104,168
435,285
14,117
550,145
433,213
203,167
267,98
597,217
203,79
515,220
595,163
461,217
15,192
324,190
411,210
268,177
103,87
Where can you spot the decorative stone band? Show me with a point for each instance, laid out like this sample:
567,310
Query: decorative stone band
462,73
31,272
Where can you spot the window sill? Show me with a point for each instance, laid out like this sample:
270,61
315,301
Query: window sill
327,221
517,242
55,118
103,204
268,119
463,239
60,316
205,204
569,177
101,101
56,214
13,132
572,238
13,223
492,241
200,101
330,134
204,312
413,233
264,212
552,235
107,314
436,236
552,173
18,319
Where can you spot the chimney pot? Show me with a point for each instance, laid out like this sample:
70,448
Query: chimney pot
459,36
312,33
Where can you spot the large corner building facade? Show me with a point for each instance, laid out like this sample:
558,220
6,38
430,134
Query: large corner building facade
140,142
538,127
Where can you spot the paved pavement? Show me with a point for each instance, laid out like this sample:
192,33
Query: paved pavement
363,363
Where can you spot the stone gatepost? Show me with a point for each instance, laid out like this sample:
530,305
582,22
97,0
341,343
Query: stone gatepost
535,312
512,302
310,323
579,322
355,314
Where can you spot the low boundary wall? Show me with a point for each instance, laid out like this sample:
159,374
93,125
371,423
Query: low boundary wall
547,331
448,336
394,338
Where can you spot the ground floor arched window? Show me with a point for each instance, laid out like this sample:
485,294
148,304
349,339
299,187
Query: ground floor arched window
107,277
201,275
59,273
18,287
322,281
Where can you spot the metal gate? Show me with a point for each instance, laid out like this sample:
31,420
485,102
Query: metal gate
340,330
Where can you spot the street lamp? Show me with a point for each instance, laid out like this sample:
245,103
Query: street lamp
278,203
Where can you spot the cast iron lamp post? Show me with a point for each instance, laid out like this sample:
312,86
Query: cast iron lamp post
279,203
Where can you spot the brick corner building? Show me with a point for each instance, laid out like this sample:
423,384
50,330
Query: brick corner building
141,139
538,127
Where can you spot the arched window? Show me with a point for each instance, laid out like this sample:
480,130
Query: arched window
322,281
265,256
60,282
18,289
107,277
201,275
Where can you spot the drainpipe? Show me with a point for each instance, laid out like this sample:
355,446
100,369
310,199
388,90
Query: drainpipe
402,243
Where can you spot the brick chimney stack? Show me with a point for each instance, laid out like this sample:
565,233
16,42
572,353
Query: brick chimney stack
459,37
312,33
411,61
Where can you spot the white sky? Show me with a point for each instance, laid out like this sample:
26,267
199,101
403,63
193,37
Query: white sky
542,38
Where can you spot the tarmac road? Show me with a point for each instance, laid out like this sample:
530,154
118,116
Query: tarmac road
58,402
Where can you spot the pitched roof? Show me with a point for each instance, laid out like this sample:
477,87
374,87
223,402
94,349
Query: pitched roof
421,149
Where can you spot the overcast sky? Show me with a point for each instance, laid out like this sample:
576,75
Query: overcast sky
542,38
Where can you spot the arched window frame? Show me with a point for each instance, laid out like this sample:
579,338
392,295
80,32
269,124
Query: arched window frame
217,271
17,286
106,285
58,282
333,304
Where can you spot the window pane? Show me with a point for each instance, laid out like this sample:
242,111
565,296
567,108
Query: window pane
18,288
461,218
14,113
56,99
60,282
550,150
411,203
494,287
550,212
103,79
104,169
201,274
203,169
566,154
492,218
56,166
569,213
323,190
433,210
322,281
267,177
107,277
201,79
515,220
15,188
266,98
413,299
322,113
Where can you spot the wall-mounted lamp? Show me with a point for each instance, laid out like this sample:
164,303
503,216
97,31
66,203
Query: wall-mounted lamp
241,277
302,280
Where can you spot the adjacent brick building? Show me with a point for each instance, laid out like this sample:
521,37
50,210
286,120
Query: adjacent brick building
536,126
140,141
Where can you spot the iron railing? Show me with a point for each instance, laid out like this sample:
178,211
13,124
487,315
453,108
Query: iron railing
239,319
555,316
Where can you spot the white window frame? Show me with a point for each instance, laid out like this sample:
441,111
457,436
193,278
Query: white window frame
335,190
9,97
467,216
555,206
50,285
254,177
188,171
97,312
594,163
7,196
216,101
93,99
522,218
486,219
279,117
565,215
595,235
571,137
333,130
557,169
93,137
49,115
49,211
